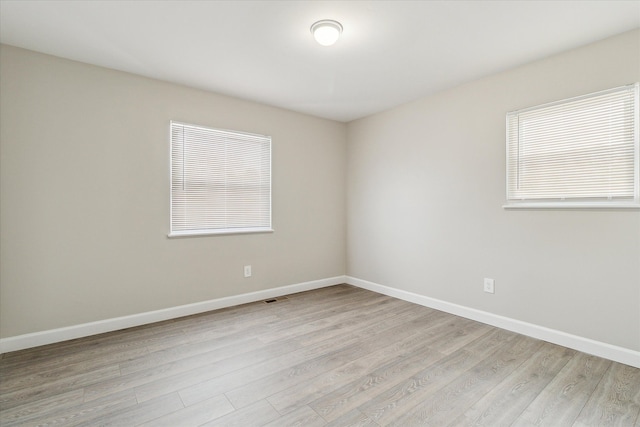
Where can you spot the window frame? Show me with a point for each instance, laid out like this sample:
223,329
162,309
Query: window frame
584,203
226,230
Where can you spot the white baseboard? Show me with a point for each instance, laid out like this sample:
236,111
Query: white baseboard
586,345
21,342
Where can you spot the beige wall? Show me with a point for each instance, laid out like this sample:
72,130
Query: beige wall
84,201
426,184
85,197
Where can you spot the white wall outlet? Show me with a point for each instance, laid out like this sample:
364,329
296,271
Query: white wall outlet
247,271
489,285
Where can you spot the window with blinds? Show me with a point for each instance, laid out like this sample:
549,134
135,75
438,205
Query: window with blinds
580,152
220,181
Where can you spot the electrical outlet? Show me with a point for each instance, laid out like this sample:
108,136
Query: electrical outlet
247,271
489,285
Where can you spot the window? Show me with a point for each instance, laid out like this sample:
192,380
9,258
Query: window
580,152
220,181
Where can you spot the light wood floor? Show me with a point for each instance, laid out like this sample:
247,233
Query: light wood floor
337,356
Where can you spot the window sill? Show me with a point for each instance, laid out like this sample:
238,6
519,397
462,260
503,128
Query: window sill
202,233
573,205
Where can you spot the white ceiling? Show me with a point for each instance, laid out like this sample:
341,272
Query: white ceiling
390,52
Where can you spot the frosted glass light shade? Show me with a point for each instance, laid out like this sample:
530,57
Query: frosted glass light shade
326,32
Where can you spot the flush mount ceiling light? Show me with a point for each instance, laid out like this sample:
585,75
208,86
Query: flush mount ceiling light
326,32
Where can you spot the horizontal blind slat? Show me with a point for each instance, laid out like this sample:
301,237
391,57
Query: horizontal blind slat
575,149
220,180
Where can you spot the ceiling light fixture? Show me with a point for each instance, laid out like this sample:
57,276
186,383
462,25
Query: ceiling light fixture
326,32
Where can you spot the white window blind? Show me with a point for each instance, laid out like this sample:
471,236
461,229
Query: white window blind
220,181
580,152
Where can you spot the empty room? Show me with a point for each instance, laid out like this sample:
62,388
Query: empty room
319,213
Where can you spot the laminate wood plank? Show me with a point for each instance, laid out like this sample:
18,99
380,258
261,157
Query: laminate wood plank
445,403
338,320
460,332
372,325
447,333
353,418
218,348
505,402
337,292
55,351
73,415
616,400
384,383
332,319
297,307
431,327
200,390
333,341
247,317
427,384
222,319
345,299
270,318
138,414
562,400
332,323
203,383
258,414
195,415
92,356
301,417
90,359
20,414
264,317
306,392
37,376
245,321
311,368
107,344
195,333
343,400
194,369
45,389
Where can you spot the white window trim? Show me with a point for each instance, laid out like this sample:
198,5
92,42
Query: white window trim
220,231
571,205
226,231
578,204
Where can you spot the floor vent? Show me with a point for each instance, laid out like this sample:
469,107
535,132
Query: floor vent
270,300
